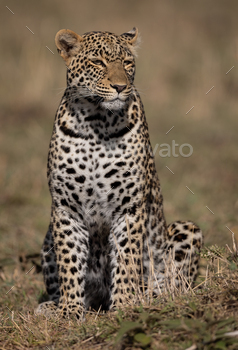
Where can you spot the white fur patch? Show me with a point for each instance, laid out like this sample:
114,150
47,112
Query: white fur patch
113,105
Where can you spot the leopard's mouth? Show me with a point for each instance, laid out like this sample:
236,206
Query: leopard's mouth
118,97
114,104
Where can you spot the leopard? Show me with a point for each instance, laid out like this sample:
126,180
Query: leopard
107,225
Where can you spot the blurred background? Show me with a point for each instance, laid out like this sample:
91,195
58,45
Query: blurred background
187,48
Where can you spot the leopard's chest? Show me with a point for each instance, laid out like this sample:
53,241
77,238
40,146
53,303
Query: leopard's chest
95,178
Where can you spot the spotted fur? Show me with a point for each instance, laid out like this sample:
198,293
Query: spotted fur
107,207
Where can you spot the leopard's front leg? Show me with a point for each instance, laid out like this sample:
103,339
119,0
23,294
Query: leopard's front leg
70,238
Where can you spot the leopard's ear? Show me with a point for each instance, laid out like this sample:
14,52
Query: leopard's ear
133,40
68,44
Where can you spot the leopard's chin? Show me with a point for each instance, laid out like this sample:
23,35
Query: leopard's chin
116,104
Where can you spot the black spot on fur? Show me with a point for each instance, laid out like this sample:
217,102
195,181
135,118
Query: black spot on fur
65,149
110,173
126,200
81,179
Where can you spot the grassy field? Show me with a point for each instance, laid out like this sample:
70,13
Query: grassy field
188,48
202,318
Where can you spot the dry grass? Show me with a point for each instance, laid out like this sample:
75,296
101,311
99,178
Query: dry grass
143,290
202,317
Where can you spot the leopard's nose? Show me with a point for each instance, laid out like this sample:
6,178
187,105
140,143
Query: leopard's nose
119,88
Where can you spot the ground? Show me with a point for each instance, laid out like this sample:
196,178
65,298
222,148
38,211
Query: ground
204,318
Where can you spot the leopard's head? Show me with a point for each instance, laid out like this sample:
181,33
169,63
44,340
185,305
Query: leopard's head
101,65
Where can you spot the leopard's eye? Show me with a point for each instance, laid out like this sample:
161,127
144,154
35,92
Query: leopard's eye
98,62
127,63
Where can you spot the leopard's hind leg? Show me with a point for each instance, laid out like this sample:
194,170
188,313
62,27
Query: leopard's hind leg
178,263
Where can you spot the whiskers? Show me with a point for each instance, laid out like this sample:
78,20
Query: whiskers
77,93
73,93
138,91
60,90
